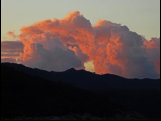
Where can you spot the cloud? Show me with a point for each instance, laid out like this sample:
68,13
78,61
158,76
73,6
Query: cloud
11,60
10,51
12,34
12,45
73,41
50,55
120,51
153,52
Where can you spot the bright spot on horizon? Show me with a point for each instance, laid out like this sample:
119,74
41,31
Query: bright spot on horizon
89,66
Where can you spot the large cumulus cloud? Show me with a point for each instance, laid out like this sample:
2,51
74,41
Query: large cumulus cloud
72,41
120,51
51,56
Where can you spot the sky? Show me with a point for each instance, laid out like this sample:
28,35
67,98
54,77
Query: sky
141,16
120,37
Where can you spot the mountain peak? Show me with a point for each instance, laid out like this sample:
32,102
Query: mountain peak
70,70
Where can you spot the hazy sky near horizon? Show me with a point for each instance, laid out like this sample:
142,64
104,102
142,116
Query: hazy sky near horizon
141,16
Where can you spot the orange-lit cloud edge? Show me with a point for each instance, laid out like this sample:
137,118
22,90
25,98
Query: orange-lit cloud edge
104,48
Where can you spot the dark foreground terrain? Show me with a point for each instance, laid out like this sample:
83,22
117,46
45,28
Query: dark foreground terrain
36,94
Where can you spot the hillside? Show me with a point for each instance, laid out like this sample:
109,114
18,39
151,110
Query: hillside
34,92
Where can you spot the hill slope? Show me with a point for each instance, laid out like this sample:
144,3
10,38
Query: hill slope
36,92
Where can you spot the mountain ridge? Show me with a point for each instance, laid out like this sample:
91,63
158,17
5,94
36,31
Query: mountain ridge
82,76
140,95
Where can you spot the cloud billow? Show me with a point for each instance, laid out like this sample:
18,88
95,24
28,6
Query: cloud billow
72,41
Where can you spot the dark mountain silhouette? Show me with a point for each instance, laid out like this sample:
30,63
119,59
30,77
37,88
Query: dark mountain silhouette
34,92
